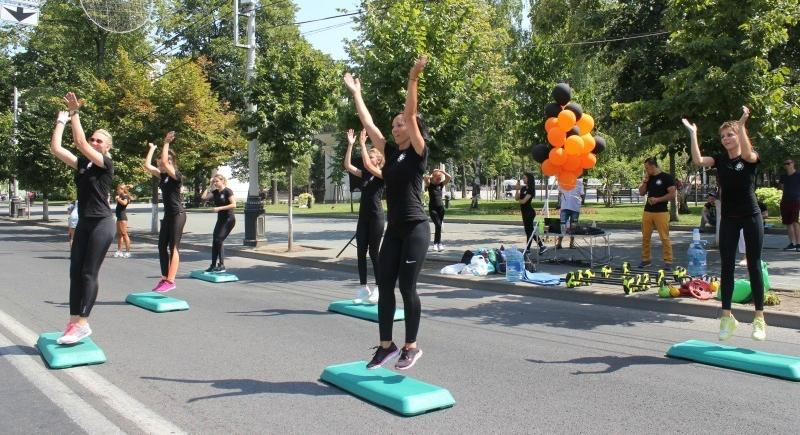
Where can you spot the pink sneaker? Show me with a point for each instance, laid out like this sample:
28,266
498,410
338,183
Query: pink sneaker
164,287
76,334
160,281
69,326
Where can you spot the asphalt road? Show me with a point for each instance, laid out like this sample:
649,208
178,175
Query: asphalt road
247,356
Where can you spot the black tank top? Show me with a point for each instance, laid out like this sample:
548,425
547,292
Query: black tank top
525,207
222,198
171,193
435,195
93,183
119,209
402,176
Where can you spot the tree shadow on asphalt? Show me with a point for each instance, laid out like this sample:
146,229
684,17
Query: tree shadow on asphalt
514,310
16,350
272,312
66,304
247,387
282,273
613,362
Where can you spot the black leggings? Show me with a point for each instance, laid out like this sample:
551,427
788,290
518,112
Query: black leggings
368,239
93,236
437,217
169,239
753,228
225,223
402,254
527,222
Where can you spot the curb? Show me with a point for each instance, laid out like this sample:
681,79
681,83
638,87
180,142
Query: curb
687,308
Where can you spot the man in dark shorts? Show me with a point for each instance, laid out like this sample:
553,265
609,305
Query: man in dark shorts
790,204
660,189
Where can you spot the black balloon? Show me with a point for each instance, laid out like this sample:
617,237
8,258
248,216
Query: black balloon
574,131
561,94
551,110
541,152
599,145
576,109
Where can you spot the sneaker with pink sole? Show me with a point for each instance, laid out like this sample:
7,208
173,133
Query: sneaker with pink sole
164,287
75,334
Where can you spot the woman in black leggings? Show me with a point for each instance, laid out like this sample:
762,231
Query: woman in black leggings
169,236
736,175
435,184
369,229
224,204
408,233
95,231
524,197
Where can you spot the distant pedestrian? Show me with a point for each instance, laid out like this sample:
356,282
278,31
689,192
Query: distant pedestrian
790,204
570,209
660,189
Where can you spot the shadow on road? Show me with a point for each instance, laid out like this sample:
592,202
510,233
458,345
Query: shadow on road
18,350
271,312
613,362
66,304
246,387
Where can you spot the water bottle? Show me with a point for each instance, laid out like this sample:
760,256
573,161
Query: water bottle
697,255
514,265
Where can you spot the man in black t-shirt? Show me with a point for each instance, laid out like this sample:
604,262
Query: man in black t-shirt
660,189
790,204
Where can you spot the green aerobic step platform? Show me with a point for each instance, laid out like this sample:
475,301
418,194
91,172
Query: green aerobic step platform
383,387
60,356
214,277
753,361
156,302
362,311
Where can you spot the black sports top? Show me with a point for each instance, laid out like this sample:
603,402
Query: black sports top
171,193
222,198
737,182
402,176
93,183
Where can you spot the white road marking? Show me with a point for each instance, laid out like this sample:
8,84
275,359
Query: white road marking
119,401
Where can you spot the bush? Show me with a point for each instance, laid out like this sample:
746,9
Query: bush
303,198
771,298
771,197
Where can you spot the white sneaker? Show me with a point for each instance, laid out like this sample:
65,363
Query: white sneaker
126,255
75,334
373,297
118,254
439,247
726,327
432,248
362,295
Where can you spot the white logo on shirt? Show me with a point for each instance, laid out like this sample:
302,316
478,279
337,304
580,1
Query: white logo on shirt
739,166
401,157
658,182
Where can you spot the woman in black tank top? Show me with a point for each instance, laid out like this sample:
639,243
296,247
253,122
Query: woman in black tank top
369,229
407,233
122,199
435,184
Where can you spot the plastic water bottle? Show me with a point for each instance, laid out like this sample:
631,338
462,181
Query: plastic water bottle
514,265
697,255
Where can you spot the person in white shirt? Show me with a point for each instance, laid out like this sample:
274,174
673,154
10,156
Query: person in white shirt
570,208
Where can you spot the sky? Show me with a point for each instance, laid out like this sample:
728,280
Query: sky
327,36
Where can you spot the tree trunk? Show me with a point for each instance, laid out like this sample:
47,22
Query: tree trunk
100,45
275,190
45,206
673,204
464,182
291,230
154,205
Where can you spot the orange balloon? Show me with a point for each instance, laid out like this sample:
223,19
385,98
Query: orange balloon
585,124
549,168
588,143
567,178
566,120
573,164
588,161
557,156
564,186
556,137
550,123
574,145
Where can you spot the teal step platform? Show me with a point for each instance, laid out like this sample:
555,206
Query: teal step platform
362,311
753,361
58,356
383,387
156,302
214,277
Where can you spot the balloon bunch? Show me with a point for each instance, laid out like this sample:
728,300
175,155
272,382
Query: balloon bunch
572,147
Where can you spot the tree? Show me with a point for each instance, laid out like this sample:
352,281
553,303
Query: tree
294,89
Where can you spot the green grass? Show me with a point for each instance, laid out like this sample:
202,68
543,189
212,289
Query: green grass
507,210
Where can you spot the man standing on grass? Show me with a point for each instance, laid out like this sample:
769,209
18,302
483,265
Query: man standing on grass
790,204
660,189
